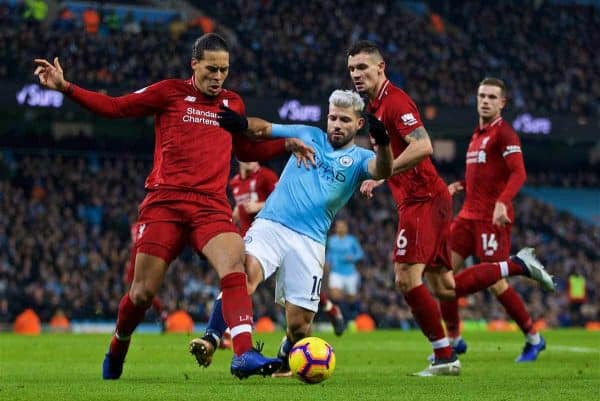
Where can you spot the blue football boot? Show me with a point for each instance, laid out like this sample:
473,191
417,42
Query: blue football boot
112,367
531,352
252,362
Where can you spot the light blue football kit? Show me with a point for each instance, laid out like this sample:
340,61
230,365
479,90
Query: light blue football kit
290,232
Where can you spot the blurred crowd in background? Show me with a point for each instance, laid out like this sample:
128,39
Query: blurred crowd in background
65,238
280,49
65,219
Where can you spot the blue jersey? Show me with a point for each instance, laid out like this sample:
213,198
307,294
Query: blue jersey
306,201
343,253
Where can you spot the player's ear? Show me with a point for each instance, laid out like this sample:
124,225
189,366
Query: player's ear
361,122
381,66
193,64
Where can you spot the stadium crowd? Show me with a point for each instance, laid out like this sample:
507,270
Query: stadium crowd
280,49
65,237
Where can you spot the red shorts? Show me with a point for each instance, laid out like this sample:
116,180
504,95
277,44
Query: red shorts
169,219
482,239
423,229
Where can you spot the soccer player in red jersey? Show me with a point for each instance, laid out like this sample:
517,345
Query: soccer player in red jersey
186,201
494,174
250,187
424,207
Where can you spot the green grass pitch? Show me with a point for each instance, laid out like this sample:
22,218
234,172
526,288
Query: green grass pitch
370,366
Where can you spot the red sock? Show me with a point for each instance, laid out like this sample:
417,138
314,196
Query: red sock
427,314
157,305
449,309
128,318
237,311
325,304
515,308
481,276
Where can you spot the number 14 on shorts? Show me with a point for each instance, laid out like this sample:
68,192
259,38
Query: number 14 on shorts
489,243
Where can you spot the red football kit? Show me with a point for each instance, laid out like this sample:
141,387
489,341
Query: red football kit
186,200
494,172
423,202
256,187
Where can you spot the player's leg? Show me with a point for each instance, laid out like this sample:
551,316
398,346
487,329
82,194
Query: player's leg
515,308
462,244
484,275
225,252
351,287
157,243
494,246
299,324
203,348
333,310
297,288
450,314
426,313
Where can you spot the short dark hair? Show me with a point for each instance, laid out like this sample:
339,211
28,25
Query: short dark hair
208,42
491,81
364,46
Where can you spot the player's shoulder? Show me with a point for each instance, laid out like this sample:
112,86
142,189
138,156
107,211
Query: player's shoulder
396,94
364,153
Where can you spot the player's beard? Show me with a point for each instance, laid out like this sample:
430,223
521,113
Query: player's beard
339,143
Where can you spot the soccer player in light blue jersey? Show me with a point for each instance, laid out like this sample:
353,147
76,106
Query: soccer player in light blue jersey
289,234
343,252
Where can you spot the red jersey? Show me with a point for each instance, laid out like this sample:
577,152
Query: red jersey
255,187
400,116
494,170
192,152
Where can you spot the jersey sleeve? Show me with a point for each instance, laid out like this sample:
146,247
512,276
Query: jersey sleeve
509,145
403,117
364,169
143,102
303,132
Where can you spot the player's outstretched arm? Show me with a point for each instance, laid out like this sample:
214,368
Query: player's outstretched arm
419,147
259,128
146,101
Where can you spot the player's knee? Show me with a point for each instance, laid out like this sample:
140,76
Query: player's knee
403,283
141,296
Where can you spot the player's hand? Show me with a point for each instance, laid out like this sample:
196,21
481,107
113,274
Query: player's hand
367,187
304,153
377,130
51,76
252,207
500,216
455,188
232,121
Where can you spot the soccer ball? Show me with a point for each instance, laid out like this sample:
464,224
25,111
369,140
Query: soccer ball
312,360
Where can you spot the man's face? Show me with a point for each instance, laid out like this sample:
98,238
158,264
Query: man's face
341,228
366,72
490,101
211,71
342,125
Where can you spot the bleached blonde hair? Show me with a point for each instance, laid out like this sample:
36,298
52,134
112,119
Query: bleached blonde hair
347,98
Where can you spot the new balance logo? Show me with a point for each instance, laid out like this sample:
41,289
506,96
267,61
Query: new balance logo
408,119
190,99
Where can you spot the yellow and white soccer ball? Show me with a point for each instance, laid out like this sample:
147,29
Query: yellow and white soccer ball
312,360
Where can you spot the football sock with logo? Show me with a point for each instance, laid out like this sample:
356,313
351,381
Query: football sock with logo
516,309
216,323
128,318
324,303
449,309
427,314
237,311
481,276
